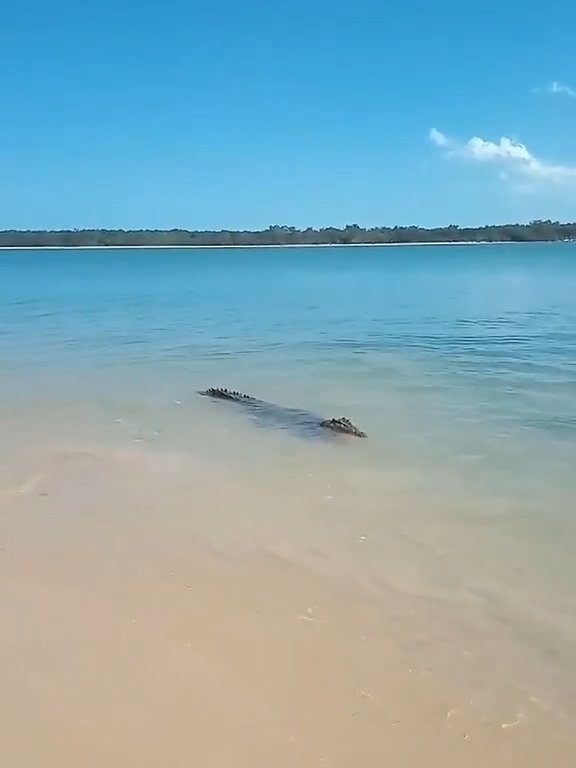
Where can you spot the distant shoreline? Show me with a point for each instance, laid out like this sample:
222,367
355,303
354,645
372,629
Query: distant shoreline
271,245
351,236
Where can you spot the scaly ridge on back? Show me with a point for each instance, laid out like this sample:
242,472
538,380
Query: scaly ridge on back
341,425
221,393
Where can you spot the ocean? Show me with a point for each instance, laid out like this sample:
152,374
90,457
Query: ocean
447,536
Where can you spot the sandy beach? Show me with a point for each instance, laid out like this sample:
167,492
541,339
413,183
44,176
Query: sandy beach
136,636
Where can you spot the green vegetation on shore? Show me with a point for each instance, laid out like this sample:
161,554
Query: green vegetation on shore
282,235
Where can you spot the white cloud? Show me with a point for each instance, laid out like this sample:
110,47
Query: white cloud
505,149
561,89
513,158
438,138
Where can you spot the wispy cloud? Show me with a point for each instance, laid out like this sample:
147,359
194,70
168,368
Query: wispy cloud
561,89
512,158
438,138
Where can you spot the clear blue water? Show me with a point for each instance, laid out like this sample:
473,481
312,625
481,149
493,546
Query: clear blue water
445,354
460,362
491,328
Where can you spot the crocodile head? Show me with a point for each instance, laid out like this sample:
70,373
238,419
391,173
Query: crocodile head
344,426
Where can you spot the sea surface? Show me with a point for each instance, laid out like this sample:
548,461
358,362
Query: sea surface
459,510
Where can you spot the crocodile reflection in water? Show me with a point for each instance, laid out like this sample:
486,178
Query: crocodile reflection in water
302,421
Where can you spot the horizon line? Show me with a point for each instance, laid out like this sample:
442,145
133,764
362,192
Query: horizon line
291,228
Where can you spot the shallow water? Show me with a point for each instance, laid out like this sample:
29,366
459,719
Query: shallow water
455,517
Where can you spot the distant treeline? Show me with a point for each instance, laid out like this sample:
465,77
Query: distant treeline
282,235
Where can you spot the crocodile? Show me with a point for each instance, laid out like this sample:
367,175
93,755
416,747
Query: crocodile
288,418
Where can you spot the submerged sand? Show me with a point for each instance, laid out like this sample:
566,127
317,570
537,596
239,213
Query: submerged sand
163,609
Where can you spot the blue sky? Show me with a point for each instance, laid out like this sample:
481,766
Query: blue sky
241,114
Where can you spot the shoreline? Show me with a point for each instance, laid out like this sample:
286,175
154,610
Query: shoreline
427,244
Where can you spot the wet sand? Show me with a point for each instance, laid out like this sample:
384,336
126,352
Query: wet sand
157,610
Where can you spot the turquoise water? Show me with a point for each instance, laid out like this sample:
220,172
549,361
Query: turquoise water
457,358
459,362
485,334
477,343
